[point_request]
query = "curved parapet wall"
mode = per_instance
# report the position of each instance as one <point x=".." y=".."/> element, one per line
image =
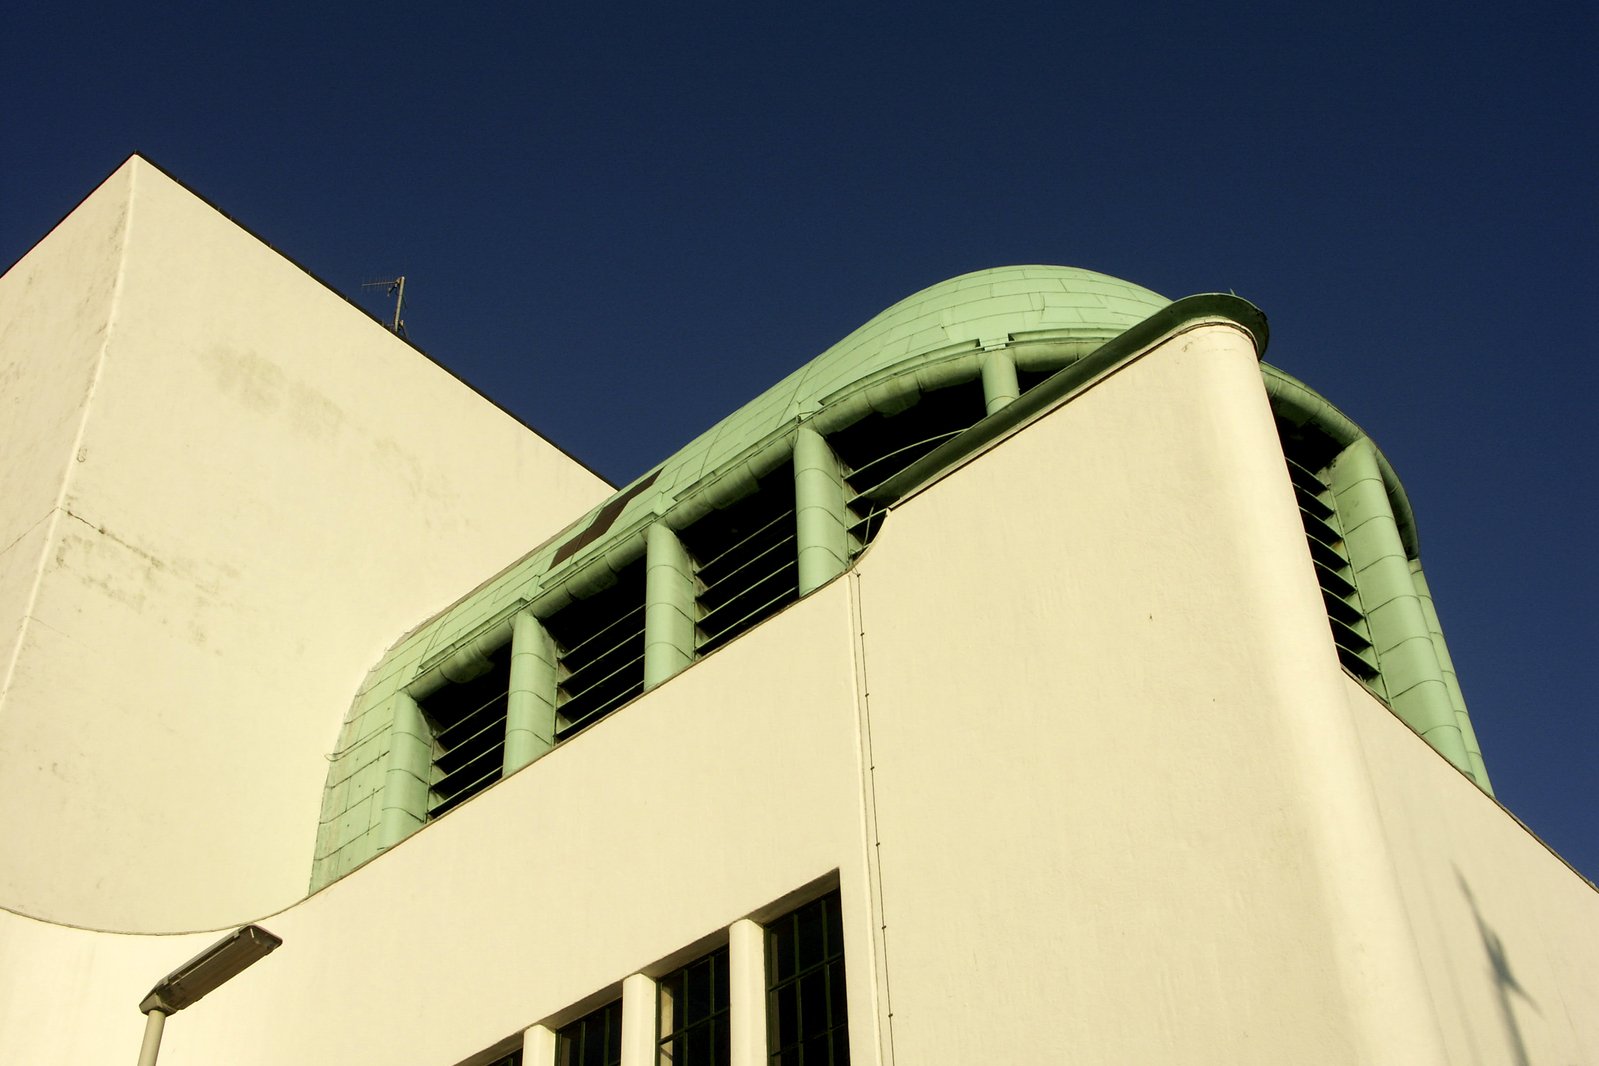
<point x="819" y="458"/>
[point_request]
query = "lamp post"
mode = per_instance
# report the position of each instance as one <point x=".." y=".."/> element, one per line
<point x="189" y="982"/>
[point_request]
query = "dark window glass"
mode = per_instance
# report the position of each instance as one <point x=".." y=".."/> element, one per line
<point x="693" y="1019"/>
<point x="807" y="1020"/>
<point x="600" y="645"/>
<point x="1309" y="453"/>
<point x="877" y="447"/>
<point x="468" y="723"/>
<point x="593" y="1040"/>
<point x="745" y="560"/>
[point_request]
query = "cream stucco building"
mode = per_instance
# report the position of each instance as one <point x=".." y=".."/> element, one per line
<point x="1035" y="676"/>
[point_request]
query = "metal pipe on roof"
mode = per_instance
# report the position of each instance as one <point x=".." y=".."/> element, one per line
<point x="1406" y="654"/>
<point x="669" y="605"/>
<point x="405" y="779"/>
<point x="470" y="657"/>
<point x="1457" y="698"/>
<point x="1000" y="386"/>
<point x="530" y="702"/>
<point x="821" y="519"/>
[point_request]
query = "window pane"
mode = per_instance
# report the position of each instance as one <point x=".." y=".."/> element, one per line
<point x="593" y="1040"/>
<point x="807" y="1004"/>
<point x="698" y="981"/>
<point x="693" y="1016"/>
<point x="781" y="945"/>
<point x="813" y="1003"/>
<point x="835" y="927"/>
<point x="812" y="942"/>
<point x="613" y="1034"/>
<point x="785" y="1004"/>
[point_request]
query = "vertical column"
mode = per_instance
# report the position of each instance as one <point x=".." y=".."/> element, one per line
<point x="1000" y="386"/>
<point x="746" y="967"/>
<point x="821" y="519"/>
<point x="1446" y="662"/>
<point x="669" y="607"/>
<point x="538" y="1046"/>
<point x="530" y="704"/>
<point x="405" y="781"/>
<point x="1405" y="652"/>
<point x="638" y="1021"/>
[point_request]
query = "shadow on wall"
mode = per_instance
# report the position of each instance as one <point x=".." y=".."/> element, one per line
<point x="1505" y="983"/>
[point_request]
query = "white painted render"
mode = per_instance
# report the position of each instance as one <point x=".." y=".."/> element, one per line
<point x="1071" y="740"/>
<point x="1508" y="934"/>
<point x="709" y="800"/>
<point x="233" y="491"/>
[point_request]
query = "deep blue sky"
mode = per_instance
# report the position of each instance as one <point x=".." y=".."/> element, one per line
<point x="622" y="222"/>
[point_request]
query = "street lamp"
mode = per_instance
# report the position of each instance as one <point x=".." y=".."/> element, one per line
<point x="189" y="982"/>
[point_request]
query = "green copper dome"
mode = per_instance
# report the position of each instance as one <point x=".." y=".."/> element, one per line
<point x="930" y="339"/>
<point x="935" y="335"/>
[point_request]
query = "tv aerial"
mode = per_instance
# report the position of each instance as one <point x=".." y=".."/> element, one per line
<point x="396" y="288"/>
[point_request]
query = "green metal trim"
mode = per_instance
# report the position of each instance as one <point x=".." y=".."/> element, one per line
<point x="405" y="781"/>
<point x="1457" y="699"/>
<point x="530" y="702"/>
<point x="821" y="519"/>
<point x="1070" y="380"/>
<point x="1000" y="387"/>
<point x="669" y="606"/>
<point x="468" y="656"/>
<point x="1406" y="653"/>
<point x="1300" y="404"/>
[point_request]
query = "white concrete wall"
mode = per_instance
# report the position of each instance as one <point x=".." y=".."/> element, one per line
<point x="1123" y="814"/>
<point x="268" y="489"/>
<point x="730" y="786"/>
<point x="54" y="306"/>
<point x="1508" y="934"/>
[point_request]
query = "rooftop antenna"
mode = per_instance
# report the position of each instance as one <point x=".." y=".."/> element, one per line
<point x="396" y="288"/>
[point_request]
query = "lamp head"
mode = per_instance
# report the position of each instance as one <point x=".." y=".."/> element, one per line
<point x="216" y="964"/>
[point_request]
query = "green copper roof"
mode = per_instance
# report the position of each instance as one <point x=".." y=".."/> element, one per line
<point x="966" y="312"/>
<point x="930" y="338"/>
<point x="1064" y="328"/>
<point x="1045" y="317"/>
<point x="938" y="325"/>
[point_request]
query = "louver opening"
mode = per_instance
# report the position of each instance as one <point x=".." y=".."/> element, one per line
<point x="468" y="723"/>
<point x="1308" y="453"/>
<point x="879" y="446"/>
<point x="600" y="647"/>
<point x="745" y="561"/>
<point x="1027" y="380"/>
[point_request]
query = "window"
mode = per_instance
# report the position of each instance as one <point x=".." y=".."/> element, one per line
<point x="745" y="561"/>
<point x="807" y="1021"/>
<point x="600" y="644"/>
<point x="593" y="1040"/>
<point x="877" y="447"/>
<point x="468" y="724"/>
<point x="693" y="1022"/>
<point x="1309" y="452"/>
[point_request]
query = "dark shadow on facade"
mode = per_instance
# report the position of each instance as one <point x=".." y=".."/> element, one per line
<point x="1505" y="982"/>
